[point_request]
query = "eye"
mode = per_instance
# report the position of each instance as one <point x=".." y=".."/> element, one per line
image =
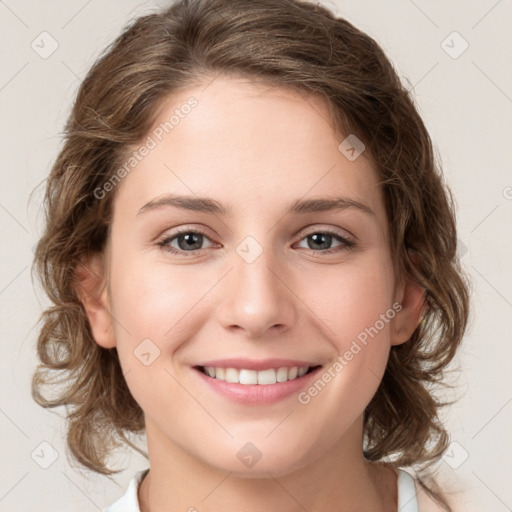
<point x="188" y="240"/>
<point x="323" y="239"/>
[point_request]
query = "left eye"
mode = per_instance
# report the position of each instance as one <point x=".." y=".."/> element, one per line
<point x="190" y="241"/>
<point x="326" y="238"/>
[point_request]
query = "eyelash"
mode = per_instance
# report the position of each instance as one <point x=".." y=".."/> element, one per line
<point x="347" y="244"/>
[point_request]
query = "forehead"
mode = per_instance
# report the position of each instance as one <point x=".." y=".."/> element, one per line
<point x="247" y="144"/>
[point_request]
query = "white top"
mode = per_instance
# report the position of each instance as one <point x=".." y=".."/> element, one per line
<point x="128" y="502"/>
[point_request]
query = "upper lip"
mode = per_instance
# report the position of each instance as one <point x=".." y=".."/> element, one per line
<point x="256" y="364"/>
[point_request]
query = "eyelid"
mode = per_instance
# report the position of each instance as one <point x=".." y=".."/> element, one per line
<point x="305" y="231"/>
<point x="180" y="230"/>
<point x="349" y="241"/>
<point x="185" y="228"/>
<point x="316" y="228"/>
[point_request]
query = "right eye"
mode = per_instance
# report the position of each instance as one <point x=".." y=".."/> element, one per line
<point x="187" y="239"/>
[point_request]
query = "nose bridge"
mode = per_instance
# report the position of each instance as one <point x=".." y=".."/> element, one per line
<point x="255" y="298"/>
<point x="253" y="269"/>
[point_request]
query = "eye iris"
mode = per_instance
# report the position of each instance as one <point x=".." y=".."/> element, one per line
<point x="190" y="237"/>
<point x="317" y="236"/>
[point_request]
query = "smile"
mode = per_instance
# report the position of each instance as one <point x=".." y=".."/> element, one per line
<point x="251" y="377"/>
<point x="252" y="387"/>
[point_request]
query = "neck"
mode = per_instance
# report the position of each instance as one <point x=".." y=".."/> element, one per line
<point x="339" y="479"/>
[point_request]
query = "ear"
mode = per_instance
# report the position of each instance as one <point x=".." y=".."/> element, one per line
<point x="411" y="296"/>
<point x="90" y="285"/>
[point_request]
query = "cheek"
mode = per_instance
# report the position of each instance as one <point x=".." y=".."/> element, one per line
<point x="153" y="300"/>
<point x="150" y="306"/>
<point x="358" y="312"/>
<point x="354" y="297"/>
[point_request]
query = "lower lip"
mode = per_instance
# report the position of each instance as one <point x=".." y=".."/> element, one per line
<point x="257" y="394"/>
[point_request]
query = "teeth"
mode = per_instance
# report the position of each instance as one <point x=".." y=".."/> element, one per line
<point x="263" y="377"/>
<point x="248" y="376"/>
<point x="282" y="374"/>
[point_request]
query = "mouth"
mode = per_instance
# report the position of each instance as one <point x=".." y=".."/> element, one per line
<point x="251" y="387"/>
<point x="250" y="377"/>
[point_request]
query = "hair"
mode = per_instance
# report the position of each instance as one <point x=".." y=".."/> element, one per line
<point x="293" y="44"/>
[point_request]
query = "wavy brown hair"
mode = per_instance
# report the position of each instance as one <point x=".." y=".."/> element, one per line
<point x="294" y="44"/>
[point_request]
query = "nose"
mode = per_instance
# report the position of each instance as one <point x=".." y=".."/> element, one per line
<point x="256" y="299"/>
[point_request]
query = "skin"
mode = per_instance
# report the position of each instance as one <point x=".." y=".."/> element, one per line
<point x="255" y="149"/>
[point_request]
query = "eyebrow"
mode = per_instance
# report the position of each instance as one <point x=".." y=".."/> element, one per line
<point x="208" y="205"/>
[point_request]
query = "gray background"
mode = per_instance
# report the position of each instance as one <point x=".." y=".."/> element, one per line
<point x="466" y="101"/>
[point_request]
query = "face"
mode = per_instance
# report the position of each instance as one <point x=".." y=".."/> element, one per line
<point x="245" y="281"/>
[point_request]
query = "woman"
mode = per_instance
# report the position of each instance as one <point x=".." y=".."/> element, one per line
<point x="252" y="256"/>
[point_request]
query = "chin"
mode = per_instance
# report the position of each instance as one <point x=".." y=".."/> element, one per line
<point x="253" y="462"/>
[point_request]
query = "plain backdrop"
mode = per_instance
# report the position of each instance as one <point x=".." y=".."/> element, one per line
<point x="456" y="56"/>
